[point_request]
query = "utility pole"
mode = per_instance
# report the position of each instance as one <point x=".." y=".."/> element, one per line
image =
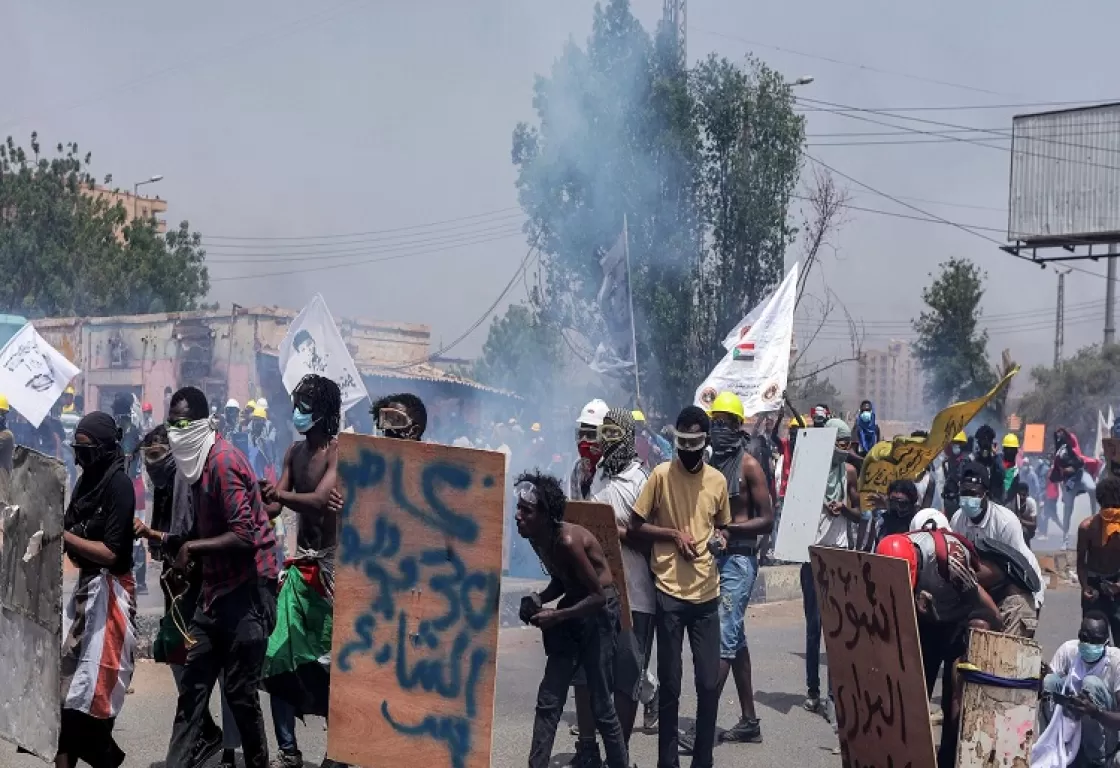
<point x="1060" y="319"/>
<point x="675" y="15"/>
<point x="1110" y="297"/>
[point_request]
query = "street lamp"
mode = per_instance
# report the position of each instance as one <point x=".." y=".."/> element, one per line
<point x="136" y="189"/>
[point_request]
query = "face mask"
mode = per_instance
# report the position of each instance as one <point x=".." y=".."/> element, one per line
<point x="865" y="417"/>
<point x="898" y="509"/>
<point x="86" y="456"/>
<point x="190" y="445"/>
<point x="589" y="451"/>
<point x="956" y="450"/>
<point x="725" y="437"/>
<point x="691" y="459"/>
<point x="1090" y="653"/>
<point x="972" y="506"/>
<point x="161" y="471"/>
<point x="302" y="421"/>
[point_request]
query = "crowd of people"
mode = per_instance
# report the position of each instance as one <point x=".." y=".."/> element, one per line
<point x="695" y="516"/>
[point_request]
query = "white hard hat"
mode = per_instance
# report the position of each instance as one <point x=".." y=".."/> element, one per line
<point x="262" y="403"/>
<point x="231" y="403"/>
<point x="922" y="520"/>
<point x="593" y="413"/>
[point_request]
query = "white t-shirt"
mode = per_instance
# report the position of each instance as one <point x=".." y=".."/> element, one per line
<point x="1000" y="524"/>
<point x="621" y="491"/>
<point x="1107" y="669"/>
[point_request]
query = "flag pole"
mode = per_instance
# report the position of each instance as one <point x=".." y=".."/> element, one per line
<point x="630" y="295"/>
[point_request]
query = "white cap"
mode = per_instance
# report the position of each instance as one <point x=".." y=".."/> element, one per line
<point x="593" y="413"/>
<point x="921" y="520"/>
<point x="262" y="403"/>
<point x="231" y="403"/>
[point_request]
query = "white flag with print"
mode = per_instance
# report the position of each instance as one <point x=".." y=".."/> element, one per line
<point x="756" y="366"/>
<point x="314" y="345"/>
<point x="33" y="374"/>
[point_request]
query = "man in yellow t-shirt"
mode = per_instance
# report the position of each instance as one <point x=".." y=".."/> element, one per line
<point x="683" y="510"/>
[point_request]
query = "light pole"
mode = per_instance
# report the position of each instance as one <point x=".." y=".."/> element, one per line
<point x="136" y="190"/>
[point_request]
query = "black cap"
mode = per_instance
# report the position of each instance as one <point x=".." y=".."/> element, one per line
<point x="976" y="472"/>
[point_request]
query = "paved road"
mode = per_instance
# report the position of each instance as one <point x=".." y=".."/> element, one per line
<point x="791" y="735"/>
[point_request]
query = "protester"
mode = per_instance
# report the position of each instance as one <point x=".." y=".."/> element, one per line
<point x="867" y="430"/>
<point x="955" y="457"/>
<point x="835" y="528"/>
<point x="582" y="631"/>
<point x="294" y="674"/>
<point x="237" y="610"/>
<point x="1010" y="463"/>
<point x="262" y="446"/>
<point x="752" y="515"/>
<point x="99" y="619"/>
<point x="1080" y="708"/>
<point x="949" y="602"/>
<point x="402" y="416"/>
<point x="231" y="418"/>
<point x="683" y="509"/>
<point x="926" y="482"/>
<point x="820" y="414"/>
<point x="929" y="520"/>
<point x="587" y="445"/>
<point x="1071" y="471"/>
<point x="1025" y="508"/>
<point x="986" y="455"/>
<point x="902" y="505"/>
<point x="172" y="523"/>
<point x="1009" y="570"/>
<point x="651" y="448"/>
<point x="147" y="419"/>
<point x="1098" y="556"/>
<point x="7" y="444"/>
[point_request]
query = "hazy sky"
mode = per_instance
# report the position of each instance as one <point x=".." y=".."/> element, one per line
<point x="284" y="119"/>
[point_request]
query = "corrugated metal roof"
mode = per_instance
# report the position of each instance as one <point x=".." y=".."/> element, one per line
<point x="428" y="372"/>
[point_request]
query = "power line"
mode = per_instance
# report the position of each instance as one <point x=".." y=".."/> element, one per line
<point x="370" y="233"/>
<point x="973" y="107"/>
<point x="896" y="215"/>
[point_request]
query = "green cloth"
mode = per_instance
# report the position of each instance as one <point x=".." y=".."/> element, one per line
<point x="304" y="620"/>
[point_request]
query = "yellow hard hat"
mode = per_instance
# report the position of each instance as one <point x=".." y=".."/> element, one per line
<point x="728" y="402"/>
<point x="794" y="423"/>
<point x="961" y="437"/>
<point x="4" y="403"/>
<point x="637" y="416"/>
<point x="536" y="426"/>
<point x="260" y="413"/>
<point x="251" y="405"/>
<point x="67" y="391"/>
<point x="1010" y="440"/>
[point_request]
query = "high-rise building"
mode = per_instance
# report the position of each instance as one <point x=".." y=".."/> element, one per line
<point x="892" y="381"/>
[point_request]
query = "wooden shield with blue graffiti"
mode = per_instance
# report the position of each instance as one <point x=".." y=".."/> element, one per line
<point x="416" y="604"/>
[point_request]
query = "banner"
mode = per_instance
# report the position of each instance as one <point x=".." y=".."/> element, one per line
<point x="756" y="368"/>
<point x="417" y="580"/>
<point x="1034" y="438"/>
<point x="904" y="458"/>
<point x="615" y="355"/>
<point x="33" y="374"/>
<point x="314" y="345"/>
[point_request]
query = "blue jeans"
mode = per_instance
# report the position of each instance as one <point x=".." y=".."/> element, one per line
<point x="737" y="574"/>
<point x="284" y="723"/>
<point x="1097" y="743"/>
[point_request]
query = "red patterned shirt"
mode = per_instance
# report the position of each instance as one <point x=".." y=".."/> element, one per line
<point x="227" y="500"/>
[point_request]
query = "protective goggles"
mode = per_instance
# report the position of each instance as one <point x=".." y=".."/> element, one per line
<point x="155" y="453"/>
<point x="525" y="493"/>
<point x="690" y="441"/>
<point x="611" y="433"/>
<point x="587" y="433"/>
<point x="843" y="445"/>
<point x="179" y="423"/>
<point x="391" y="418"/>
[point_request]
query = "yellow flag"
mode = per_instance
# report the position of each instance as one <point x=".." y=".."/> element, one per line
<point x="904" y="458"/>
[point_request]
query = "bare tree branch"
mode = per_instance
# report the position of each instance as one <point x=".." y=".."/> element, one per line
<point x="826" y="215"/>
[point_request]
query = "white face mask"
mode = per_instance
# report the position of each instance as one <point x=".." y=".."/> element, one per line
<point x="191" y="446"/>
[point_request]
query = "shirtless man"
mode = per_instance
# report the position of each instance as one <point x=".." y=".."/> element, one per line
<point x="583" y="628"/>
<point x="308" y="487"/>
<point x="1098" y="556"/>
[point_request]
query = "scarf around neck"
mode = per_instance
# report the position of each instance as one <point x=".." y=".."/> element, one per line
<point x="1110" y="523"/>
<point x="727" y="456"/>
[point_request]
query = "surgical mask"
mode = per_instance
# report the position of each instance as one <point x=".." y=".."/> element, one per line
<point x="302" y="421"/>
<point x="865" y="417"/>
<point x="1090" y="653"/>
<point x="971" y="505"/>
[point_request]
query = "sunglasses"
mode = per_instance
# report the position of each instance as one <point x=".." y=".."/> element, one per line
<point x="690" y="441"/>
<point x="391" y="418"/>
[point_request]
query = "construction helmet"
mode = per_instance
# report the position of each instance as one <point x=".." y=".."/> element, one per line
<point x="899" y="545"/>
<point x="637" y="416"/>
<point x="251" y="404"/>
<point x="68" y="391"/>
<point x="4" y="403"/>
<point x="794" y="423"/>
<point x="1010" y="440"/>
<point x="961" y="437"/>
<point x="728" y="402"/>
<point x="146" y="408"/>
<point x="231" y="403"/>
<point x="262" y="403"/>
<point x="260" y="413"/>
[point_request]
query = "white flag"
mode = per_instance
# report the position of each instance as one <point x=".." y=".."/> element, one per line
<point x="314" y="345"/>
<point x="756" y="368"/>
<point x="33" y="374"/>
<point x="1104" y="429"/>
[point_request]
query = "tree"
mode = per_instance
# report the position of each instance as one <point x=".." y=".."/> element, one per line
<point x="521" y="354"/>
<point x="702" y="166"/>
<point x="950" y="346"/>
<point x="814" y="388"/>
<point x="67" y="251"/>
<point x="1071" y="395"/>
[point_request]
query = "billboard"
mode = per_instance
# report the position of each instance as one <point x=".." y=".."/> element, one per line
<point x="1065" y="177"/>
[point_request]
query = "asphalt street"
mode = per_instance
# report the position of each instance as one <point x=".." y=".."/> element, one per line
<point x="791" y="736"/>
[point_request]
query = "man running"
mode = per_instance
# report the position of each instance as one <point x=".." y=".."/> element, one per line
<point x="1098" y="556"/>
<point x="752" y="515"/>
<point x="582" y="631"/>
<point x="295" y="673"/>
<point x="683" y="510"/>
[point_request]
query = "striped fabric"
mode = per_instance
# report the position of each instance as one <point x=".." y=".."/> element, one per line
<point x="98" y="643"/>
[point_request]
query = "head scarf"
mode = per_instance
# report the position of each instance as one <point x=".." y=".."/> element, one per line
<point x="836" y="486"/>
<point x="618" y="455"/>
<point x="727" y="456"/>
<point x="86" y="501"/>
<point x="865" y="430"/>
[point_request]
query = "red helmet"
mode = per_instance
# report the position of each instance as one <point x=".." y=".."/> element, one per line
<point x="147" y="408"/>
<point x="899" y="545"/>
